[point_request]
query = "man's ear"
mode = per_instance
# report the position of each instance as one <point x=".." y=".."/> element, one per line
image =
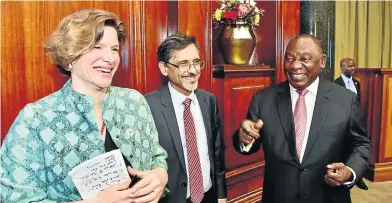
<point x="323" y="61"/>
<point x="163" y="68"/>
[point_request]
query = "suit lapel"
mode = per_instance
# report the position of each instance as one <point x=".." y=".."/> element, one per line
<point x="356" y="84"/>
<point x="283" y="103"/>
<point x="205" y="111"/>
<point x="171" y="121"/>
<point x="340" y="82"/>
<point x="320" y="112"/>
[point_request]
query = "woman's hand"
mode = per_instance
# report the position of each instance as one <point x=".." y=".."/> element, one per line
<point x="118" y="193"/>
<point x="150" y="187"/>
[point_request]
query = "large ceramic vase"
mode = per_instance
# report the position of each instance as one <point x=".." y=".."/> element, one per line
<point x="237" y="44"/>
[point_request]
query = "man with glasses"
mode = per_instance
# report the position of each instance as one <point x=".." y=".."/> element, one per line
<point x="188" y="126"/>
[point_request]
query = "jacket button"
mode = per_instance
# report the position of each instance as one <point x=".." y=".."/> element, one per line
<point x="117" y="136"/>
<point x="302" y="170"/>
<point x="131" y="156"/>
<point x="298" y="195"/>
<point x="183" y="184"/>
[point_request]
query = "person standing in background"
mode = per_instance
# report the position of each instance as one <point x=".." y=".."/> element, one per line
<point x="347" y="65"/>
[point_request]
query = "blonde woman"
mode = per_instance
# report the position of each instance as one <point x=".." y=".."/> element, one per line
<point x="85" y="118"/>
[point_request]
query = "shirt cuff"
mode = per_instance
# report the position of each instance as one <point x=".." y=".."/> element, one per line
<point x="246" y="148"/>
<point x="350" y="183"/>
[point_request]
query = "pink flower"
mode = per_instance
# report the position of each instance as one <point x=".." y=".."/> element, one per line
<point x="243" y="10"/>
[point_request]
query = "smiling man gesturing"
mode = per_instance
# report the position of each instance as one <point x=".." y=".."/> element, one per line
<point x="312" y="154"/>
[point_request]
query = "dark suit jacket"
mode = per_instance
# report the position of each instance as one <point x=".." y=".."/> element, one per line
<point x="340" y="82"/>
<point x="169" y="137"/>
<point x="332" y="134"/>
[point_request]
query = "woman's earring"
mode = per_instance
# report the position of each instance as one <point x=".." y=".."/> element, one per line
<point x="70" y="67"/>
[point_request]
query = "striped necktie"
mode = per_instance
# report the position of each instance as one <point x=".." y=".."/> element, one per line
<point x="300" y="121"/>
<point x="194" y="167"/>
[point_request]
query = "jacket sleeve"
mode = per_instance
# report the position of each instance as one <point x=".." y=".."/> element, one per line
<point x="359" y="143"/>
<point x="219" y="152"/>
<point x="22" y="162"/>
<point x="160" y="155"/>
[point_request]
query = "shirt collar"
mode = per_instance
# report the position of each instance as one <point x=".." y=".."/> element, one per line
<point x="345" y="78"/>
<point x="83" y="102"/>
<point x="312" y="88"/>
<point x="178" y="98"/>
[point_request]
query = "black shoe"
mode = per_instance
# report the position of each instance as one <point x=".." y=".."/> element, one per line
<point x="362" y="185"/>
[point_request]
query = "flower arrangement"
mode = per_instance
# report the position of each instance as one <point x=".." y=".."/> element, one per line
<point x="238" y="12"/>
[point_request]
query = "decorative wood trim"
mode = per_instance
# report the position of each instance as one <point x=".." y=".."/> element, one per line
<point x="244" y="169"/>
<point x="386" y="71"/>
<point x="375" y="117"/>
<point x="222" y="71"/>
<point x="136" y="44"/>
<point x="248" y="87"/>
<point x="250" y="197"/>
<point x="244" y="173"/>
<point x="279" y="42"/>
<point x="379" y="173"/>
<point x="367" y="70"/>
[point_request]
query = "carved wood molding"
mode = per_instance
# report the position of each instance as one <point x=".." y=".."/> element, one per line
<point x="247" y="168"/>
<point x="367" y="70"/>
<point x="380" y="172"/>
<point x="250" y="197"/>
<point x="386" y="71"/>
<point x="223" y="71"/>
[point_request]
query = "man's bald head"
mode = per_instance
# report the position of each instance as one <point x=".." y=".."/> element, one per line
<point x="345" y="61"/>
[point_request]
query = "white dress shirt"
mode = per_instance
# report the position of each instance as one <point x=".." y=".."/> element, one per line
<point x="349" y="83"/>
<point x="310" y="100"/>
<point x="201" y="135"/>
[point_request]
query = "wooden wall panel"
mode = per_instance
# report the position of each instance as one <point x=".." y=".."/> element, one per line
<point x="156" y="31"/>
<point x="386" y="118"/>
<point x="376" y="101"/>
<point x="136" y="47"/>
<point x="371" y="94"/>
<point x="236" y="86"/>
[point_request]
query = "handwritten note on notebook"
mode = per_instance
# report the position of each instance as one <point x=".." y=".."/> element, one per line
<point x="95" y="175"/>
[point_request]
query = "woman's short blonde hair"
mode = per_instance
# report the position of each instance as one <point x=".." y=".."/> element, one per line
<point x="78" y="33"/>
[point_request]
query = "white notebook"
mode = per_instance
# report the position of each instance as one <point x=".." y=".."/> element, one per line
<point x="95" y="175"/>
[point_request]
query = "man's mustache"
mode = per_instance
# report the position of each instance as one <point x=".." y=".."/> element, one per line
<point x="190" y="75"/>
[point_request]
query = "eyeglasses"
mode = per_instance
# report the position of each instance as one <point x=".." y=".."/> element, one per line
<point x="198" y="65"/>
